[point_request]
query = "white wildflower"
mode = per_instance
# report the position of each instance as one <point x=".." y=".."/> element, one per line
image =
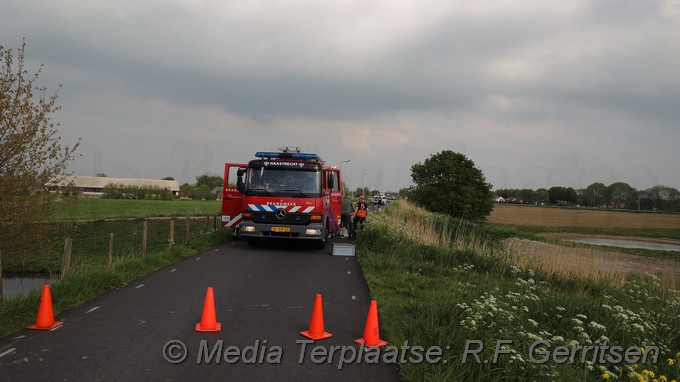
<point x="639" y="327"/>
<point x="596" y="326"/>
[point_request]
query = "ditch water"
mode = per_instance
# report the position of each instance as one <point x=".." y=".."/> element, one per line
<point x="627" y="244"/>
<point x="12" y="286"/>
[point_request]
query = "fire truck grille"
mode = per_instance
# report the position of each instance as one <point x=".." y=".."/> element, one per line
<point x="291" y="218"/>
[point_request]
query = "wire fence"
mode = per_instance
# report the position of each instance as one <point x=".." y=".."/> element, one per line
<point x="99" y="242"/>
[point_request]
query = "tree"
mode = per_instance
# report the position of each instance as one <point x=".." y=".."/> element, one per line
<point x="202" y="192"/>
<point x="101" y="175"/>
<point x="403" y="192"/>
<point x="209" y="180"/>
<point x="621" y="195"/>
<point x="168" y="178"/>
<point x="31" y="154"/>
<point x="186" y="190"/>
<point x="661" y="198"/>
<point x="595" y="195"/>
<point x="448" y="182"/>
<point x="562" y="195"/>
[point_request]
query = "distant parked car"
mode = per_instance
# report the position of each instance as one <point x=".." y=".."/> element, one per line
<point x="378" y="199"/>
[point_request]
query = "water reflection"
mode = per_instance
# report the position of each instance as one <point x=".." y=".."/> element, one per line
<point x="12" y="286"/>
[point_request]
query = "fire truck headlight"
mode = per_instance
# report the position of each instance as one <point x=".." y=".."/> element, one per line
<point x="248" y="228"/>
<point x="314" y="232"/>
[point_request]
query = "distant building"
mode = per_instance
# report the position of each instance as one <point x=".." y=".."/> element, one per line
<point x="94" y="185"/>
<point x="217" y="191"/>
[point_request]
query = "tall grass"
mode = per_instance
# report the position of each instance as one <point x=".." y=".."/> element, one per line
<point x="442" y="282"/>
<point x="591" y="264"/>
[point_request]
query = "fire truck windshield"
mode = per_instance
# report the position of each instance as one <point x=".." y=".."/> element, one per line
<point x="284" y="181"/>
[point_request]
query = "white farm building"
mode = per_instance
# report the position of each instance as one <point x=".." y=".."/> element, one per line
<point x="94" y="185"/>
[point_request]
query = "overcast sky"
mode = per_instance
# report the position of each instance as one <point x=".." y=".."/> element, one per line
<point x="537" y="93"/>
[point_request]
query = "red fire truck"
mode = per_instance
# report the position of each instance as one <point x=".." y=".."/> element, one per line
<point x="287" y="194"/>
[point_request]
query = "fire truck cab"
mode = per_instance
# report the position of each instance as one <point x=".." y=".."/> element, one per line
<point x="286" y="194"/>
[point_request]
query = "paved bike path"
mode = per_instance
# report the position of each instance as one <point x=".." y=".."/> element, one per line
<point x="263" y="296"/>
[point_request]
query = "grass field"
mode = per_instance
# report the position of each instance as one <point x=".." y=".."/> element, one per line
<point x="564" y="217"/>
<point x="96" y="208"/>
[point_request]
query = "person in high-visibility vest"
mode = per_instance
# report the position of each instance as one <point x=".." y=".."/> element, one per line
<point x="360" y="213"/>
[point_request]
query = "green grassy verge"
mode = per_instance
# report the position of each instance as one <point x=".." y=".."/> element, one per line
<point x="92" y="278"/>
<point x="440" y="282"/>
<point x="96" y="208"/>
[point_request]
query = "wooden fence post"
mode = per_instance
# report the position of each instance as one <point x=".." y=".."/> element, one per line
<point x="145" y="230"/>
<point x="215" y="222"/>
<point x="187" y="237"/>
<point x="172" y="233"/>
<point x="207" y="220"/>
<point x="66" y="260"/>
<point x="110" y="249"/>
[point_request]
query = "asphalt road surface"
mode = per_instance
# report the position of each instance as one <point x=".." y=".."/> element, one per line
<point x="263" y="296"/>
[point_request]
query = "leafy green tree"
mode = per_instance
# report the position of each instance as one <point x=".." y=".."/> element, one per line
<point x="209" y="180"/>
<point x="186" y="190"/>
<point x="621" y="195"/>
<point x="203" y="192"/>
<point x="31" y="154"/>
<point x="660" y="198"/>
<point x="403" y="192"/>
<point x="448" y="182"/>
<point x="562" y="195"/>
<point x="595" y="195"/>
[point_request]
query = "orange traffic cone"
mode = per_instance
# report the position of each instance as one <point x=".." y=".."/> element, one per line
<point x="45" y="319"/>
<point x="371" y="331"/>
<point x="209" y="319"/>
<point x="316" y="329"/>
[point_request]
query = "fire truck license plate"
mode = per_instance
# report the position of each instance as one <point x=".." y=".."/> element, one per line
<point x="280" y="229"/>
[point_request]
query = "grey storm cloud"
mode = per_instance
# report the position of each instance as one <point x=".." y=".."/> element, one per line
<point x="511" y="82"/>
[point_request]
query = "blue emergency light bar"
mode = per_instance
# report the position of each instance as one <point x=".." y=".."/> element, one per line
<point x="272" y="154"/>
